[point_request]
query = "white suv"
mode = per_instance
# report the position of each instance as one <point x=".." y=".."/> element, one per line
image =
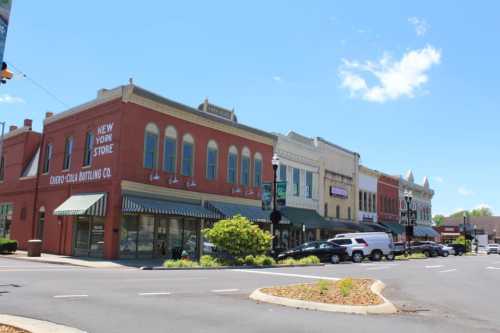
<point x="374" y="245"/>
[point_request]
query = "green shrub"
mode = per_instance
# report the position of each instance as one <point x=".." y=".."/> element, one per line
<point x="345" y="286"/>
<point x="208" y="261"/>
<point x="239" y="237"/>
<point x="265" y="261"/>
<point x="181" y="263"/>
<point x="250" y="260"/>
<point x="7" y="245"/>
<point x="323" y="286"/>
<point x="310" y="260"/>
<point x="288" y="261"/>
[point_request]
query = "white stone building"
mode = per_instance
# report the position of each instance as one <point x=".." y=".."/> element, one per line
<point x="367" y="195"/>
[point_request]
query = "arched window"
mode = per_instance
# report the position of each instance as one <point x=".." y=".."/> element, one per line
<point x="187" y="155"/>
<point x="232" y="165"/>
<point x="257" y="170"/>
<point x="212" y="160"/>
<point x="245" y="167"/>
<point x="170" y="150"/>
<point x="151" y="146"/>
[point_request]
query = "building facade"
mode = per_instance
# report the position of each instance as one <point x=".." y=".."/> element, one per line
<point x="132" y="174"/>
<point x="367" y="195"/>
<point x="388" y="204"/>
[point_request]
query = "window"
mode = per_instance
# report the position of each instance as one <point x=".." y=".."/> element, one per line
<point x="212" y="157"/>
<point x="349" y="213"/>
<point x="282" y="173"/>
<point x="232" y="165"/>
<point x="364" y="202"/>
<point x="47" y="158"/>
<point x="170" y="150"/>
<point x="374" y="202"/>
<point x="2" y="168"/>
<point x="187" y="155"/>
<point x="68" y="151"/>
<point x="326" y="209"/>
<point x="360" y="200"/>
<point x="257" y="170"/>
<point x="245" y="167"/>
<point x="151" y="146"/>
<point x="89" y="146"/>
<point x="296" y="181"/>
<point x="337" y="213"/>
<point x="5" y="219"/>
<point x="342" y="241"/>
<point x="309" y="184"/>
<point x="369" y="202"/>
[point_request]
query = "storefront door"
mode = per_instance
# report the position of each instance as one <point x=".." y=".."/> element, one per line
<point x="82" y="236"/>
<point x="161" y="245"/>
<point x="89" y="237"/>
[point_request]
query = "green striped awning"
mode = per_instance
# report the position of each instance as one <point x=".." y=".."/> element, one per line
<point x="137" y="204"/>
<point x="253" y="213"/>
<point x="91" y="204"/>
<point x="395" y="227"/>
<point x="424" y="231"/>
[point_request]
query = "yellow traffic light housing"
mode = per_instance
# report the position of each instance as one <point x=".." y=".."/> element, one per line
<point x="6" y="74"/>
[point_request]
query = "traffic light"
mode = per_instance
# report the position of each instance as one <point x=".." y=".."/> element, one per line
<point x="5" y="74"/>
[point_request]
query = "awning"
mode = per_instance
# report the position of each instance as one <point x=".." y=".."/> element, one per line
<point x="450" y="234"/>
<point x="394" y="227"/>
<point x="253" y="213"/>
<point x="373" y="227"/>
<point x="424" y="231"/>
<point x="136" y="204"/>
<point x="308" y="217"/>
<point x="91" y="204"/>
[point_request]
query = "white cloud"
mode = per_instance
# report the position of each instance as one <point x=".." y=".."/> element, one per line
<point x="277" y="78"/>
<point x="438" y="179"/>
<point x="482" y="205"/>
<point x="394" y="78"/>
<point x="9" y="99"/>
<point x="462" y="190"/>
<point x="421" y="25"/>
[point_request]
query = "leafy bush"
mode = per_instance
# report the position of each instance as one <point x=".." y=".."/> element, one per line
<point x="181" y="263"/>
<point x="310" y="260"/>
<point x="412" y="256"/>
<point x="288" y="261"/>
<point x="239" y="237"/>
<point x="250" y="260"/>
<point x="462" y="241"/>
<point x="345" y="286"/>
<point x="208" y="261"/>
<point x="264" y="261"/>
<point x="323" y="286"/>
<point x="8" y="245"/>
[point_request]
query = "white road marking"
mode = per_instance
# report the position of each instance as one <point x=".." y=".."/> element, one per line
<point x="434" y="266"/>
<point x="155" y="293"/>
<point x="448" y="270"/>
<point x="491" y="267"/>
<point x="378" y="268"/>
<point x="287" y="274"/>
<point x="70" y="296"/>
<point x="224" y="290"/>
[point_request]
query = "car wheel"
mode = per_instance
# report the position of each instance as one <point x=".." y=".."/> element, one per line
<point x="427" y="253"/>
<point x="390" y="257"/>
<point x="376" y="255"/>
<point x="445" y="254"/>
<point x="460" y="253"/>
<point x="335" y="259"/>
<point x="357" y="257"/>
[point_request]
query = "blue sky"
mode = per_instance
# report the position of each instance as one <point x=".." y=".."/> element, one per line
<point x="406" y="85"/>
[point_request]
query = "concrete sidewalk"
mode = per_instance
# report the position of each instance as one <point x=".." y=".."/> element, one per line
<point x="83" y="262"/>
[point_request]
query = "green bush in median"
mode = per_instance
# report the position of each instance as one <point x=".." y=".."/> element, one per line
<point x="181" y="263"/>
<point x="310" y="260"/>
<point x="8" y="245"/>
<point x="209" y="261"/>
<point x="239" y="238"/>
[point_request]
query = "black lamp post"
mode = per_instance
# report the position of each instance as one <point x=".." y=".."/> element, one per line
<point x="409" y="217"/>
<point x="475" y="239"/>
<point x="465" y="232"/>
<point x="275" y="216"/>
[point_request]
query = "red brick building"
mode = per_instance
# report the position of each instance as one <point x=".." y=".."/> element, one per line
<point x="132" y="174"/>
<point x="388" y="203"/>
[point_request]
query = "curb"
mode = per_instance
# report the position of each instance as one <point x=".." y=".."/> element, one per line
<point x="385" y="308"/>
<point x="161" y="268"/>
<point x="43" y="261"/>
<point x="36" y="326"/>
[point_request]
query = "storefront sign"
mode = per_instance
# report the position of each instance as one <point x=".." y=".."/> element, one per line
<point x="104" y="140"/>
<point x="81" y="177"/>
<point x="338" y="192"/>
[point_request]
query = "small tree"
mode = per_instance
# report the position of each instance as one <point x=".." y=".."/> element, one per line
<point x="239" y="237"/>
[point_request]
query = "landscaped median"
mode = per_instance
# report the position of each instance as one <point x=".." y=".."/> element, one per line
<point x="361" y="296"/>
<point x="17" y="324"/>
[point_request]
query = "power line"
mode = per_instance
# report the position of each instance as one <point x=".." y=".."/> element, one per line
<point x="40" y="86"/>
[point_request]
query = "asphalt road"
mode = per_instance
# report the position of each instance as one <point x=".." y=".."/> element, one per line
<point x="454" y="294"/>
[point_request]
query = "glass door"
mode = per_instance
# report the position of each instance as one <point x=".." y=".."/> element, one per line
<point x="97" y="237"/>
<point x="161" y="246"/>
<point x="82" y="236"/>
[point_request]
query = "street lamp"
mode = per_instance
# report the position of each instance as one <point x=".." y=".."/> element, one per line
<point x="465" y="233"/>
<point x="275" y="216"/>
<point x="408" y="195"/>
<point x="475" y="238"/>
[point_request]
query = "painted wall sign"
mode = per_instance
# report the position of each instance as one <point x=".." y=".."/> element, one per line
<point x="104" y="140"/>
<point x="81" y="176"/>
<point x="338" y="192"/>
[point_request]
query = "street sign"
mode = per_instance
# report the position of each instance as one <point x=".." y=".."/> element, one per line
<point x="5" y="6"/>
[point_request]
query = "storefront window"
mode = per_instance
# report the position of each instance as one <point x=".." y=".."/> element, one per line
<point x="145" y="236"/>
<point x="190" y="238"/>
<point x="97" y="237"/>
<point x="175" y="237"/>
<point x="5" y="220"/>
<point x="128" y="237"/>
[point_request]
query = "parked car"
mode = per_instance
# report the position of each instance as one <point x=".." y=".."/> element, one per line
<point x="446" y="250"/>
<point x="325" y="251"/>
<point x="399" y="248"/>
<point x="493" y="248"/>
<point x="459" y="249"/>
<point x="429" y="249"/>
<point x="373" y="245"/>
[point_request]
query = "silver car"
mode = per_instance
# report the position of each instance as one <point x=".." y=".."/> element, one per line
<point x="447" y="250"/>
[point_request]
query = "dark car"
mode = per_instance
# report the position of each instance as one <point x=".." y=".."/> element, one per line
<point x="399" y="248"/>
<point x="325" y="251"/>
<point x="459" y="249"/>
<point x="429" y="249"/>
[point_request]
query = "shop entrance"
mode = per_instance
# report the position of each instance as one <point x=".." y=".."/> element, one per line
<point x="89" y="237"/>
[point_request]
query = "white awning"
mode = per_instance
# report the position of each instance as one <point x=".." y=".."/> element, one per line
<point x="92" y="204"/>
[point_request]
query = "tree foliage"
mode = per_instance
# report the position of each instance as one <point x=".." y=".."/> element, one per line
<point x="482" y="211"/>
<point x="439" y="219"/>
<point x="239" y="237"/>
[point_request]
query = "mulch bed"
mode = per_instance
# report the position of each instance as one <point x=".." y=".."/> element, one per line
<point x="11" y="329"/>
<point x="329" y="292"/>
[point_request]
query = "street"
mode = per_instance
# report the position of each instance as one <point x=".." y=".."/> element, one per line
<point x="454" y="294"/>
